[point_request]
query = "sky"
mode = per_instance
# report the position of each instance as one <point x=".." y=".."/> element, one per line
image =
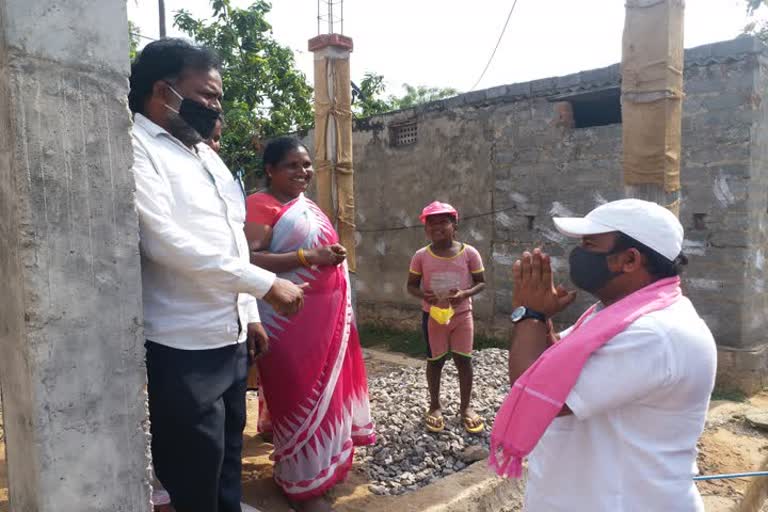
<point x="446" y="43"/>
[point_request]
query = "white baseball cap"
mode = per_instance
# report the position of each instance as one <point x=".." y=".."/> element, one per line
<point x="650" y="224"/>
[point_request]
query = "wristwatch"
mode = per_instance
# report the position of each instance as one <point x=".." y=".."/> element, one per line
<point x="523" y="313"/>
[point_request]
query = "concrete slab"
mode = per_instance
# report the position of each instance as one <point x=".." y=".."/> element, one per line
<point x="474" y="489"/>
<point x="758" y="419"/>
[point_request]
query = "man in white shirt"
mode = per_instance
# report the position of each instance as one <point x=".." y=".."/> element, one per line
<point x="200" y="316"/>
<point x="625" y="441"/>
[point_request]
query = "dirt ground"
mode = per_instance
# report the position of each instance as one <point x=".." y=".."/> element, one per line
<point x="729" y="445"/>
<point x="260" y="490"/>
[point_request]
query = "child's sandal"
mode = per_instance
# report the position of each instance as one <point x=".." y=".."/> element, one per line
<point x="434" y="424"/>
<point x="473" y="424"/>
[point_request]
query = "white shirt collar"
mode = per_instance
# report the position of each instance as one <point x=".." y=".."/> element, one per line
<point x="155" y="130"/>
<point x="148" y="126"/>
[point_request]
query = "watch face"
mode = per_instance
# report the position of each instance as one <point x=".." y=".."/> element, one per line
<point x="518" y="314"/>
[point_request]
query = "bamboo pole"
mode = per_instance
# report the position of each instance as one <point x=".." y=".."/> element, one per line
<point x="333" y="136"/>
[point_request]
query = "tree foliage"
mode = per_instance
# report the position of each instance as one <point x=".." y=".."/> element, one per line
<point x="753" y="5"/>
<point x="371" y="100"/>
<point x="265" y="95"/>
<point x="416" y="95"/>
<point x="756" y="27"/>
<point x="133" y="40"/>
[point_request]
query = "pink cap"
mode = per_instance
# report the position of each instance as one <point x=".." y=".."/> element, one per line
<point x="438" y="208"/>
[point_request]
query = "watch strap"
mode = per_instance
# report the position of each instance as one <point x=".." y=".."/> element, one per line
<point x="529" y="313"/>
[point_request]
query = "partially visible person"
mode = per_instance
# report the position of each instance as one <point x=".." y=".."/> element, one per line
<point x="214" y="141"/>
<point x="201" y="320"/>
<point x="264" y="425"/>
<point x="313" y="377"/>
<point x="612" y="408"/>
<point x="446" y="275"/>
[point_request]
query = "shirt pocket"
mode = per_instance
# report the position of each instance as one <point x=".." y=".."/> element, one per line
<point x="196" y="195"/>
<point x="233" y="196"/>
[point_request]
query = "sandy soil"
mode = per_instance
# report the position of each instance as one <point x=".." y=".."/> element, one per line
<point x="730" y="445"/>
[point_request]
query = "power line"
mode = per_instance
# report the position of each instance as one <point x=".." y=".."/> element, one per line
<point x="143" y="36"/>
<point x="493" y="54"/>
<point x="414" y="226"/>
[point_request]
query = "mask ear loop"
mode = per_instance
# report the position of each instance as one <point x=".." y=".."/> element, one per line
<point x="174" y="91"/>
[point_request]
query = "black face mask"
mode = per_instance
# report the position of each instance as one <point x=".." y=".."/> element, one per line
<point x="589" y="270"/>
<point x="197" y="115"/>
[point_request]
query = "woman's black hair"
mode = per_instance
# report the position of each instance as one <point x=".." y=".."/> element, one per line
<point x="277" y="149"/>
<point x="658" y="265"/>
<point x="165" y="59"/>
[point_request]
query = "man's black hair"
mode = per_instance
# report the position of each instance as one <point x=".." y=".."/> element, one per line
<point x="658" y="266"/>
<point x="166" y="59"/>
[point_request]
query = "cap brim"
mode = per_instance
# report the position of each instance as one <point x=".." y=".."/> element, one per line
<point x="576" y="227"/>
<point x="423" y="216"/>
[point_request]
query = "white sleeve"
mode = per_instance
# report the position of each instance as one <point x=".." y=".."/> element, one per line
<point x="252" y="310"/>
<point x="628" y="368"/>
<point x="164" y="241"/>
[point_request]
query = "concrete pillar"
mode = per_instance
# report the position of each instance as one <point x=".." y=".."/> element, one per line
<point x="71" y="348"/>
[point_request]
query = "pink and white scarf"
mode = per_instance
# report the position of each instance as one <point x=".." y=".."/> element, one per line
<point x="538" y="395"/>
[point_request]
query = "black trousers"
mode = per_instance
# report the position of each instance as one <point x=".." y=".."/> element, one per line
<point x="197" y="414"/>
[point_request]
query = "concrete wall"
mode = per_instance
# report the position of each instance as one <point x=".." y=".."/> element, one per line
<point x="506" y="151"/>
<point x="70" y="323"/>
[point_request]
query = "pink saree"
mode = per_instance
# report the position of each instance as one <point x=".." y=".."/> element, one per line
<point x="314" y="377"/>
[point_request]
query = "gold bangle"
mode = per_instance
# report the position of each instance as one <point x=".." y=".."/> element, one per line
<point x="302" y="257"/>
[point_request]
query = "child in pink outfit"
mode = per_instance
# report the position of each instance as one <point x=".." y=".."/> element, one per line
<point x="447" y="274"/>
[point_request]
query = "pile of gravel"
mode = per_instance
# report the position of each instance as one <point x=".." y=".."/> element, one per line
<point x="406" y="456"/>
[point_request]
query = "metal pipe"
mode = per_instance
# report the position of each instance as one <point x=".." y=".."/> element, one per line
<point x="161" y="7"/>
<point x="731" y="475"/>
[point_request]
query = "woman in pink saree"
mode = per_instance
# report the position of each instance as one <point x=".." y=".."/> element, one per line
<point x="313" y="376"/>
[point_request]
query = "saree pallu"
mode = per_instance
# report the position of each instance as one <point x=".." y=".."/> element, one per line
<point x="313" y="376"/>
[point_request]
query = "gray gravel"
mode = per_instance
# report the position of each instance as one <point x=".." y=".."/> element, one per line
<point x="406" y="456"/>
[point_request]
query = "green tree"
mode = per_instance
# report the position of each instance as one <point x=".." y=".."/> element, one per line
<point x="370" y="99"/>
<point x="264" y="93"/>
<point x="755" y="27"/>
<point x="416" y="95"/>
<point x="133" y="39"/>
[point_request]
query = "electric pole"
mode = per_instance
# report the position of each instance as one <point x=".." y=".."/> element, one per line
<point x="161" y="6"/>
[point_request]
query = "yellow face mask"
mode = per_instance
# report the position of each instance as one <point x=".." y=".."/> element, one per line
<point x="441" y="315"/>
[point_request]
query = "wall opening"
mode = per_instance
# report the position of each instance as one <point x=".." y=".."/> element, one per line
<point x="530" y="221"/>
<point x="595" y="108"/>
<point x="404" y="134"/>
<point x="700" y="221"/>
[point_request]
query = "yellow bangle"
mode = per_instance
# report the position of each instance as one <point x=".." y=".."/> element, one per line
<point x="302" y="257"/>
